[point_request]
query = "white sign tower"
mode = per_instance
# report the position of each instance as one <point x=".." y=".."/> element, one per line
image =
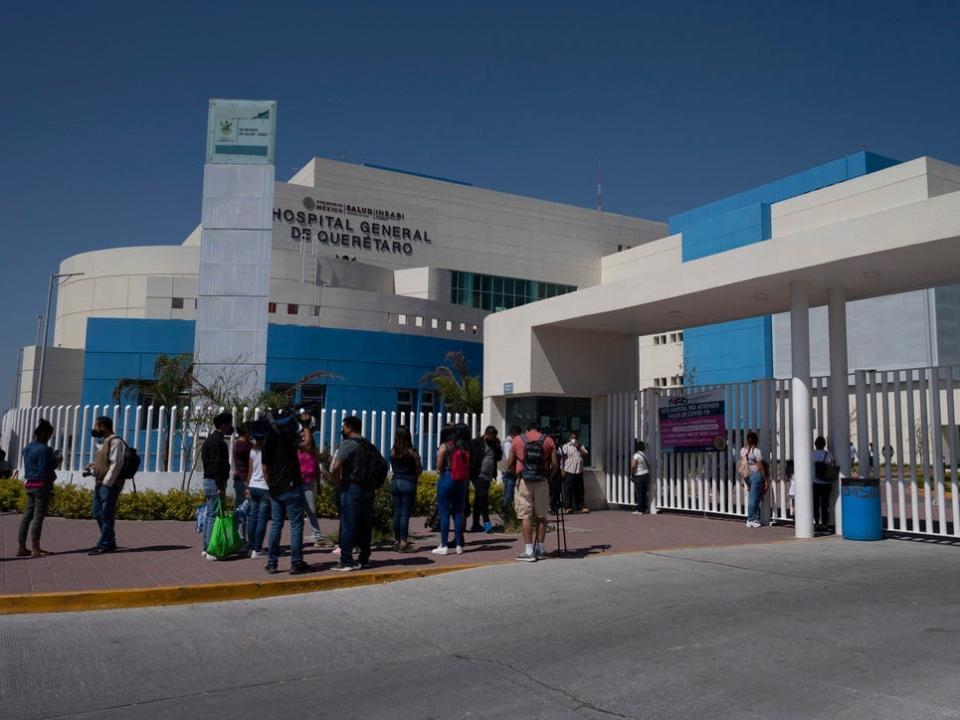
<point x="230" y="341"/>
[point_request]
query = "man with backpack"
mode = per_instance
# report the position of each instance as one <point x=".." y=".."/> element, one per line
<point x="533" y="458"/>
<point x="281" y="470"/>
<point x="358" y="471"/>
<point x="107" y="471"/>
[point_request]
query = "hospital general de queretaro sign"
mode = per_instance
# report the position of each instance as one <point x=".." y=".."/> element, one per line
<point x="693" y="423"/>
<point x="241" y="132"/>
<point x="348" y="227"/>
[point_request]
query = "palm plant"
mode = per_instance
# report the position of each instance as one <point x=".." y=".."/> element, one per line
<point x="461" y="392"/>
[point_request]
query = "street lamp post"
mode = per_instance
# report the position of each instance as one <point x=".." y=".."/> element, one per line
<point x="46" y="325"/>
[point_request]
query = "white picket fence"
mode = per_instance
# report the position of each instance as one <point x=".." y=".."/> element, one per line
<point x="909" y="417"/>
<point x="168" y="438"/>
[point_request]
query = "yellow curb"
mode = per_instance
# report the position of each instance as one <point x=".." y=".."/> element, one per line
<point x="121" y="598"/>
<point x="83" y="600"/>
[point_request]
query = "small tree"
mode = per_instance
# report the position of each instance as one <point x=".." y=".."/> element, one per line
<point x="461" y="392"/>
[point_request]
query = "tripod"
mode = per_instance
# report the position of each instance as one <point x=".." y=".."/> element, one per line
<point x="560" y="523"/>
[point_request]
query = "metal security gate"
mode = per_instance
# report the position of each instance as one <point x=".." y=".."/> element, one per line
<point x="908" y="421"/>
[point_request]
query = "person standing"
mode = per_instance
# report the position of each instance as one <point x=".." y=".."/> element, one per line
<point x="406" y="466"/>
<point x="241" y="464"/>
<point x="485" y="452"/>
<point x="40" y="472"/>
<point x="751" y="469"/>
<point x="640" y="473"/>
<point x="356" y="498"/>
<point x="6" y="468"/>
<point x="508" y="475"/>
<point x="533" y="456"/>
<point x="309" y="457"/>
<point x="823" y="473"/>
<point x="453" y="465"/>
<point x="281" y="468"/>
<point x="258" y="495"/>
<point x="573" y="456"/>
<point x="106" y="469"/>
<point x="215" y="456"/>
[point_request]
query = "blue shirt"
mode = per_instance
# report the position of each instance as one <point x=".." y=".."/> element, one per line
<point x="39" y="464"/>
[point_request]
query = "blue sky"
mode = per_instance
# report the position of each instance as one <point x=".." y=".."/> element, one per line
<point x="104" y="104"/>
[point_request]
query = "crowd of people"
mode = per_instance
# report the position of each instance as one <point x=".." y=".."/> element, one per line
<point x="276" y="474"/>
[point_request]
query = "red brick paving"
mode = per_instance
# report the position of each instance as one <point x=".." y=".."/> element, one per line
<point x="167" y="553"/>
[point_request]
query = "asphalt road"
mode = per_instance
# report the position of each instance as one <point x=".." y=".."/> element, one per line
<point x="823" y="629"/>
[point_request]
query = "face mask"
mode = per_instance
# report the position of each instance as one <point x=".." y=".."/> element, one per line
<point x="344" y="434"/>
<point x="96" y="433"/>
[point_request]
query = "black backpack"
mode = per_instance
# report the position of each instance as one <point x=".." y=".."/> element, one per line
<point x="131" y="463"/>
<point x="370" y="468"/>
<point x="534" y="458"/>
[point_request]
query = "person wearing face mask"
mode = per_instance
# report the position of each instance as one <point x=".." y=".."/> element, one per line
<point x="215" y="456"/>
<point x="106" y="469"/>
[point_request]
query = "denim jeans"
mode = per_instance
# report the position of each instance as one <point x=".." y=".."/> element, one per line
<point x="753" y="502"/>
<point x="310" y="508"/>
<point x="239" y="491"/>
<point x="509" y="487"/>
<point x="641" y="492"/>
<point x="404" y="497"/>
<point x="258" y="515"/>
<point x="356" y="523"/>
<point x="290" y="504"/>
<point x="573" y="491"/>
<point x="450" y="499"/>
<point x="104" y="512"/>
<point x="481" y="502"/>
<point x="38" y="501"/>
<point x="213" y="496"/>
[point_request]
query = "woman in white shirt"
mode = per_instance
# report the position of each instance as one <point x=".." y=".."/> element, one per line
<point x="258" y="514"/>
<point x="640" y="472"/>
<point x="755" y="478"/>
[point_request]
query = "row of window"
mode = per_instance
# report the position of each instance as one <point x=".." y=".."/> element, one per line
<point x="675" y="337"/>
<point x="436" y="323"/>
<point x="178" y="303"/>
<point x="675" y="381"/>
<point x="407" y="398"/>
<point x="494" y="292"/>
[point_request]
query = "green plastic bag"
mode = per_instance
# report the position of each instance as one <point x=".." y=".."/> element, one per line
<point x="224" y="538"/>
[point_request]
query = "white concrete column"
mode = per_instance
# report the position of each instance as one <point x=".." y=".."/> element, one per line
<point x="801" y="412"/>
<point x="839" y="441"/>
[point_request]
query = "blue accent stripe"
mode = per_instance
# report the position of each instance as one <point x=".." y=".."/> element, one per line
<point x="242" y="150"/>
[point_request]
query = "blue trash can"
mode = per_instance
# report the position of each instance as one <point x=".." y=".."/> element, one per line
<point x="860" y="504"/>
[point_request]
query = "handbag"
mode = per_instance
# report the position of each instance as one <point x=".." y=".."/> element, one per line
<point x="224" y="538"/>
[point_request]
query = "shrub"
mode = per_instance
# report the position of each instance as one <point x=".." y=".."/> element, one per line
<point x="11" y="492"/>
<point x="71" y="501"/>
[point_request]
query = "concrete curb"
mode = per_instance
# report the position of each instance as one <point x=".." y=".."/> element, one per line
<point x="82" y="600"/>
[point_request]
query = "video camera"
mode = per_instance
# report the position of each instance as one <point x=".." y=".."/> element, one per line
<point x="285" y="424"/>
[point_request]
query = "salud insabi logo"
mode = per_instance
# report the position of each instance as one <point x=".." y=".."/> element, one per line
<point x="226" y="127"/>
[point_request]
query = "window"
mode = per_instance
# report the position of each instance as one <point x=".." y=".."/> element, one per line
<point x="176" y="303"/>
<point x="271" y="307"/>
<point x="474" y="328"/>
<point x="418" y="321"/>
<point x="428" y="402"/>
<point x="292" y="309"/>
<point x="281" y="388"/>
<point x="406" y="403"/>
<point x="673" y="337"/>
<point x="656" y="382"/>
<point x="656" y="339"/>
<point x="313" y="395"/>
<point x="401" y="319"/>
<point x="449" y="325"/>
<point x="316" y="311"/>
<point x="663" y="382"/>
<point x="434" y="323"/>
<point x="680" y="336"/>
<point x="494" y="292"/>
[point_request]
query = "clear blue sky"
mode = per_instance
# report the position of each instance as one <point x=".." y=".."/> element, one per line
<point x="104" y="104"/>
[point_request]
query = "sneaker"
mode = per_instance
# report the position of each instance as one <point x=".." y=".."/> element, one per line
<point x="271" y="569"/>
<point x="442" y="550"/>
<point x="524" y="557"/>
<point x="336" y="550"/>
<point x="299" y="568"/>
<point x="585" y="510"/>
<point x="203" y="553"/>
<point x="540" y="552"/>
<point x="343" y="567"/>
<point x="488" y="527"/>
<point x="459" y="549"/>
<point x="254" y="554"/>
<point x="208" y="556"/>
<point x="636" y="512"/>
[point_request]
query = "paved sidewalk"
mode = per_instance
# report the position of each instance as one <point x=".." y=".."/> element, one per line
<point x="167" y="553"/>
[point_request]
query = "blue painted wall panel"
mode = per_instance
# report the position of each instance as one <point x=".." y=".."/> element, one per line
<point x="369" y="366"/>
<point x="743" y="350"/>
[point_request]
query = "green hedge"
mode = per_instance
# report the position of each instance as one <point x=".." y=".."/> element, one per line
<point x="71" y="501"/>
